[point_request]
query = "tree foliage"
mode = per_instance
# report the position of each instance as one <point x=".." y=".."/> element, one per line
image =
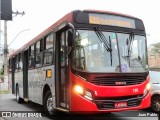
<point x="2" y="70"/>
<point x="156" y="49"/>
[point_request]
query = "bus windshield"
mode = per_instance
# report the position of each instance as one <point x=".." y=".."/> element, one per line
<point x="127" y="53"/>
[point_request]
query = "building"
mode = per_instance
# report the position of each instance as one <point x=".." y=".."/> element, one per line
<point x="153" y="57"/>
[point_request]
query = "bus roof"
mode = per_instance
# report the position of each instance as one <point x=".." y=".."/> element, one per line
<point x="67" y="18"/>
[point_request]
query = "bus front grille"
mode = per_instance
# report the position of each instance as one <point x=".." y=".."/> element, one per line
<point x="104" y="103"/>
<point x="118" y="80"/>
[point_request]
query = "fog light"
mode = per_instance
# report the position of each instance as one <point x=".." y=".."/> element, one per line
<point x="79" y="89"/>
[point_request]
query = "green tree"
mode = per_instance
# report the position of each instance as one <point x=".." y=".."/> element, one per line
<point x="156" y="49"/>
<point x="2" y="70"/>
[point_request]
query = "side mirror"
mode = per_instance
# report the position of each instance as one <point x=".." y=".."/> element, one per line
<point x="70" y="37"/>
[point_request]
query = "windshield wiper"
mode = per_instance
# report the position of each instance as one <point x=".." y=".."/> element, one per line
<point x="103" y="39"/>
<point x="130" y="42"/>
<point x="110" y="47"/>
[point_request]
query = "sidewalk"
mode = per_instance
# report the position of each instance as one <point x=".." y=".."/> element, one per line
<point x="4" y="103"/>
<point x="9" y="105"/>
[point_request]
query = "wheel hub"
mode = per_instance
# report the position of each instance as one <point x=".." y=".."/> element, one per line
<point x="50" y="104"/>
<point x="157" y="104"/>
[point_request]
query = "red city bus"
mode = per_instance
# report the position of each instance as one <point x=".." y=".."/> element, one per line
<point x="88" y="61"/>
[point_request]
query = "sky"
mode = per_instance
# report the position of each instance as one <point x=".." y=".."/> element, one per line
<point x="40" y="14"/>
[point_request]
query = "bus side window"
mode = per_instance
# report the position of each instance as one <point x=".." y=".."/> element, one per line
<point x="20" y="62"/>
<point x="48" y="56"/>
<point x="39" y="54"/>
<point x="39" y="60"/>
<point x="31" y="57"/>
<point x="49" y="41"/>
<point x="48" y="45"/>
<point x="16" y="63"/>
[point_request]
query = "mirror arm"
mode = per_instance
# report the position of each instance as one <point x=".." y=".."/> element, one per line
<point x="71" y="35"/>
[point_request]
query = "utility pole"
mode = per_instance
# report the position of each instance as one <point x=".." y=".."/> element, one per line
<point x="6" y="80"/>
<point x="5" y="53"/>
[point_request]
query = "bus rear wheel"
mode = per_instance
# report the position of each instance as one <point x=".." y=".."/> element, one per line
<point x="18" y="99"/>
<point x="48" y="104"/>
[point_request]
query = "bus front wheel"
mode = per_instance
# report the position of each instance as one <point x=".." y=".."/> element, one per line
<point x="48" y="104"/>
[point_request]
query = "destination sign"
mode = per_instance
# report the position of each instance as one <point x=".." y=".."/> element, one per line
<point x="111" y="20"/>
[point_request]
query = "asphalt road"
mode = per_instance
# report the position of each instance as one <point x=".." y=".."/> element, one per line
<point x="32" y="111"/>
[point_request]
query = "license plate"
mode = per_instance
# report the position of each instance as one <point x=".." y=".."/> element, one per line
<point x="120" y="104"/>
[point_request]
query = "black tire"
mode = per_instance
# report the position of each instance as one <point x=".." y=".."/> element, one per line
<point x="18" y="99"/>
<point x="155" y="103"/>
<point x="48" y="104"/>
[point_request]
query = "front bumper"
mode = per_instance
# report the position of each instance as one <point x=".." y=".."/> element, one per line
<point x="80" y="104"/>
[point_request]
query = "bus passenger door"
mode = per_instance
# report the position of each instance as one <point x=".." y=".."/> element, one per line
<point x="62" y="81"/>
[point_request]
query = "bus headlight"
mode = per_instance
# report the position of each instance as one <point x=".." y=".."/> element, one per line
<point x="147" y="89"/>
<point x="85" y="93"/>
<point x="79" y="89"/>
